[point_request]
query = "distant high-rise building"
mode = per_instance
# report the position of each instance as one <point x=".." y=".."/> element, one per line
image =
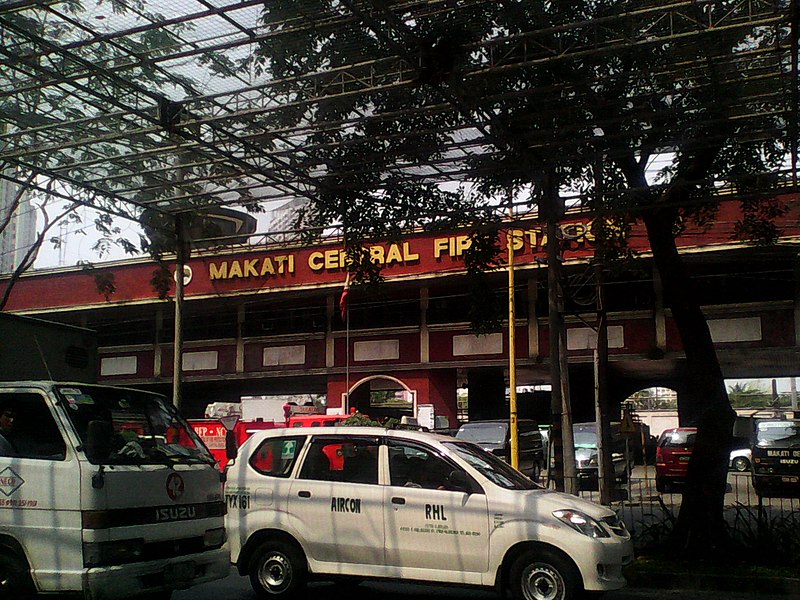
<point x="19" y="234"/>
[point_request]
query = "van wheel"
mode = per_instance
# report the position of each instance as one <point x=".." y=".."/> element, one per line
<point x="15" y="579"/>
<point x="277" y="570"/>
<point x="543" y="575"/>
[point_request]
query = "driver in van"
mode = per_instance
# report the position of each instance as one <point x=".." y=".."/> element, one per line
<point x="8" y="417"/>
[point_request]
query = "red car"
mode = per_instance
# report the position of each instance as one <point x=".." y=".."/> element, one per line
<point x="673" y="452"/>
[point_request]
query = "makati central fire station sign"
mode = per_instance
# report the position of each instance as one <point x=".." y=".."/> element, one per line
<point x="254" y="270"/>
<point x="437" y="252"/>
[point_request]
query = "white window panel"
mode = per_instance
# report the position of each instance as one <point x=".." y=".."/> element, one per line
<point x="284" y="355"/>
<point x="470" y="345"/>
<point x="585" y="338"/>
<point x="119" y="365"/>
<point x="743" y="329"/>
<point x="376" y="350"/>
<point x="200" y="361"/>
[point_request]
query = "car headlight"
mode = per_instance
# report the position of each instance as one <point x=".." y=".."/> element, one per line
<point x="581" y="522"/>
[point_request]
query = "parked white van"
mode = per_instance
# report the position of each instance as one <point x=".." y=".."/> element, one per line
<point x="104" y="492"/>
<point x="350" y="503"/>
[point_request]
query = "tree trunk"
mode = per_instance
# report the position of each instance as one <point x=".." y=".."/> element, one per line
<point x="702" y="402"/>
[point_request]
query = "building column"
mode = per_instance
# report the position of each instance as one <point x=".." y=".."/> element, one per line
<point x="424" y="338"/>
<point x="533" y="318"/>
<point x="240" y="315"/>
<point x="330" y="357"/>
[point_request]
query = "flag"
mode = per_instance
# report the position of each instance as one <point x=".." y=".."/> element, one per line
<point x="343" y="299"/>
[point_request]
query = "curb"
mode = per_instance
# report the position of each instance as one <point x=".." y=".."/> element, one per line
<point x="787" y="587"/>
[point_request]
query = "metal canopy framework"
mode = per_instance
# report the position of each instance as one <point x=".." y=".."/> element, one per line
<point x="157" y="106"/>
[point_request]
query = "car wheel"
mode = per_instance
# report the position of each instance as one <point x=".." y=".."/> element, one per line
<point x="741" y="464"/>
<point x="661" y="485"/>
<point x="15" y="579"/>
<point x="277" y="570"/>
<point x="543" y="575"/>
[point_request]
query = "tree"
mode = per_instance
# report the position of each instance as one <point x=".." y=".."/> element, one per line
<point x="579" y="96"/>
<point x="106" y="148"/>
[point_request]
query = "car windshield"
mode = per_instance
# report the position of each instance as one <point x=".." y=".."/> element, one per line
<point x="483" y="433"/>
<point x="491" y="467"/>
<point x="778" y="433"/>
<point x="143" y="428"/>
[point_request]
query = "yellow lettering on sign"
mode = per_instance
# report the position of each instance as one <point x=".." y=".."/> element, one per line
<point x="515" y="237"/>
<point x="334" y="259"/>
<point x="394" y="255"/>
<point x="463" y="242"/>
<point x="409" y="256"/>
<point x="267" y="268"/>
<point x="315" y="261"/>
<point x="376" y="253"/>
<point x="440" y="246"/>
<point x="236" y="270"/>
<point x="215" y="272"/>
<point x="250" y="267"/>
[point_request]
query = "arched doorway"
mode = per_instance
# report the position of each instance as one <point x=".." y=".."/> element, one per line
<point x="381" y="397"/>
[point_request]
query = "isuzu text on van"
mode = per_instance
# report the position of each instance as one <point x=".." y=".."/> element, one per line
<point x="104" y="492"/>
<point x="348" y="503"/>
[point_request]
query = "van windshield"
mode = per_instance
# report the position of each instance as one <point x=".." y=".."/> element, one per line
<point x="483" y="433"/>
<point x="785" y="434"/>
<point x="140" y="428"/>
<point x="585" y="439"/>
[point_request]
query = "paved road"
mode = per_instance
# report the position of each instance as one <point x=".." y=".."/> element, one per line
<point x="238" y="588"/>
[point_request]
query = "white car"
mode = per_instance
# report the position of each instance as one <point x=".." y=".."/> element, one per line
<point x="349" y="503"/>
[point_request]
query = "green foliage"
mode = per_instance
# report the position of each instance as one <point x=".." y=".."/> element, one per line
<point x="362" y="420"/>
<point x="771" y="538"/>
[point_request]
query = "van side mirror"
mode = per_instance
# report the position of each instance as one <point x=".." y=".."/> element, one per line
<point x="231" y="449"/>
<point x="98" y="441"/>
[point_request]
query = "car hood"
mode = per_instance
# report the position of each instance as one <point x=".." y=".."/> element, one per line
<point x="550" y="500"/>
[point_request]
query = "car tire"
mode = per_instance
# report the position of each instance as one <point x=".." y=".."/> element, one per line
<point x="543" y="575"/>
<point x="277" y="569"/>
<point x="15" y="579"/>
<point x="661" y="485"/>
<point x="741" y="464"/>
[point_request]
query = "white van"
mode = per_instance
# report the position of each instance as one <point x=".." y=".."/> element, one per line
<point x="104" y="492"/>
<point x="349" y="503"/>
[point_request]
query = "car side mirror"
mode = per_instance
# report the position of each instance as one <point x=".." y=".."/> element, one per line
<point x="98" y="441"/>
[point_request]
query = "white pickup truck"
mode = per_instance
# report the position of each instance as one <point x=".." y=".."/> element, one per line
<point x="350" y="503"/>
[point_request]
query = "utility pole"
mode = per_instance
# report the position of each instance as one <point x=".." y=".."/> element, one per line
<point x="181" y="256"/>
<point x="605" y="466"/>
<point x="512" y="353"/>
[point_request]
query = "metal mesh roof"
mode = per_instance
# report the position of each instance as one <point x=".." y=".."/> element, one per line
<point x="155" y="104"/>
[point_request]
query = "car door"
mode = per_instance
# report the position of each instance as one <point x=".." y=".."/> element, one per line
<point x="337" y="498"/>
<point x="431" y="524"/>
